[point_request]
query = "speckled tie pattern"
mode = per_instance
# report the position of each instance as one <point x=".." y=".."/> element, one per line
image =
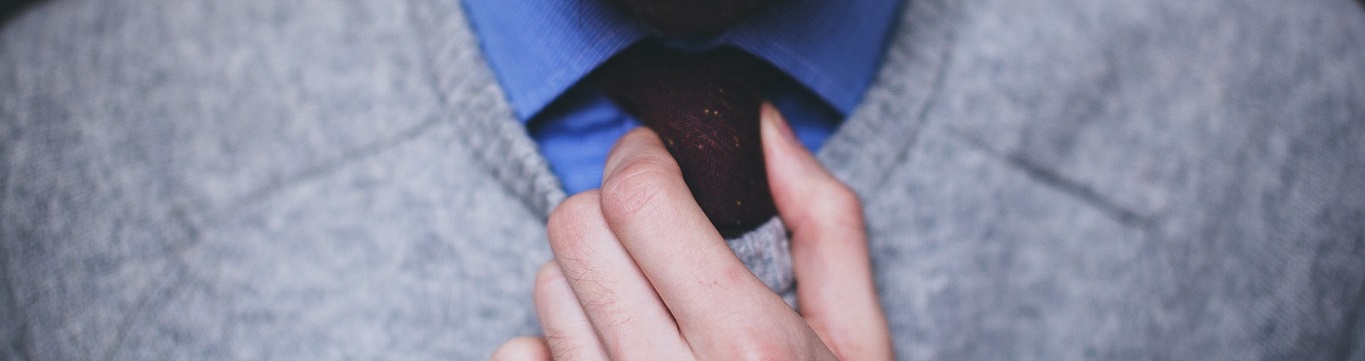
<point x="705" y="108"/>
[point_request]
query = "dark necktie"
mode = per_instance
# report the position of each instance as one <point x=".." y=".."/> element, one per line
<point x="705" y="108"/>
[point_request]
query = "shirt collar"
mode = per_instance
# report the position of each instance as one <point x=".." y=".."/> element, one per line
<point x="540" y="48"/>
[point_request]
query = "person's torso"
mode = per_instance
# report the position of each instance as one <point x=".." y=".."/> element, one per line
<point x="1041" y="179"/>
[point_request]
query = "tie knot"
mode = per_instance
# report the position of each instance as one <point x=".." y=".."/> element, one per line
<point x="690" y="17"/>
<point x="648" y="76"/>
<point x="705" y="108"/>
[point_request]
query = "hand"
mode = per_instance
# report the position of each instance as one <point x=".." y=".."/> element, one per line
<point x="640" y="273"/>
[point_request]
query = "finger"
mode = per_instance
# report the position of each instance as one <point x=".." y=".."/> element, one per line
<point x="568" y="333"/>
<point x="716" y="301"/>
<point x="523" y="349"/>
<point x="836" y="295"/>
<point x="630" y="319"/>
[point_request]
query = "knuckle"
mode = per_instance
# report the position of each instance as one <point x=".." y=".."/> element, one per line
<point x="753" y="348"/>
<point x="520" y="348"/>
<point x="607" y="307"/>
<point x="639" y="134"/>
<point x="733" y="278"/>
<point x="561" y="345"/>
<point x="640" y="138"/>
<point x="547" y="278"/>
<point x="842" y="198"/>
<point x="841" y="209"/>
<point x="578" y="208"/>
<point x="637" y="185"/>
<point x="567" y="221"/>
<point x="843" y="341"/>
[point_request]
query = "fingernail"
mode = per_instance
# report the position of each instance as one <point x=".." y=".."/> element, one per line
<point x="773" y="115"/>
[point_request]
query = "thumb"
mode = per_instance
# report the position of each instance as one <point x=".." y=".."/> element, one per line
<point x="835" y="289"/>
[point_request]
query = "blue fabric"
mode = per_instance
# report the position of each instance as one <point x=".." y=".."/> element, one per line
<point x="541" y="49"/>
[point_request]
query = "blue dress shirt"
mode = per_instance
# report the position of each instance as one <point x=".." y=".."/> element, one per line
<point x="541" y="49"/>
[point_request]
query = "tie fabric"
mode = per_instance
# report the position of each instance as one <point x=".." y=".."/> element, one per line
<point x="705" y="107"/>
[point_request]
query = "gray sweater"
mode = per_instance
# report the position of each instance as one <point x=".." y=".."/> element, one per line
<point x="1043" y="179"/>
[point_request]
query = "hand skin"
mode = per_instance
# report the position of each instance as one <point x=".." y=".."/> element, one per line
<point x="640" y="274"/>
